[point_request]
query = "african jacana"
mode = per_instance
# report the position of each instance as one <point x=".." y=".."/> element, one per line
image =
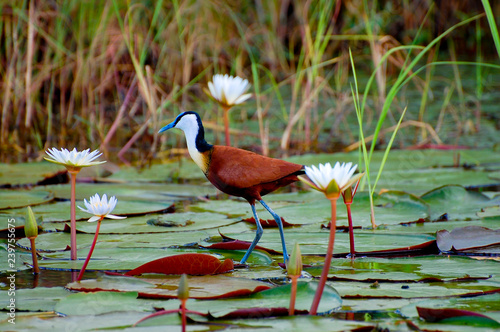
<point x="237" y="172"/>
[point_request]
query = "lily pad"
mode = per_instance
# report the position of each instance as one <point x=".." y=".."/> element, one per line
<point x="190" y="264"/>
<point x="465" y="203"/>
<point x="131" y="191"/>
<point x="200" y="287"/>
<point x="490" y="212"/>
<point x="60" y="211"/>
<point x="17" y="174"/>
<point x="10" y="199"/>
<point x="272" y="298"/>
<point x="183" y="169"/>
<point x="37" y="299"/>
<point x="456" y="316"/>
<point x="418" y="171"/>
<point x="98" y="303"/>
<point x="105" y="259"/>
<point x="480" y="239"/>
<point x="159" y="223"/>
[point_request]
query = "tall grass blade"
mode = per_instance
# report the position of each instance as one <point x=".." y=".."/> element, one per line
<point x="493" y="26"/>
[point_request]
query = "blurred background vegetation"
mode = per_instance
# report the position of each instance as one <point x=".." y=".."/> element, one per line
<point x="108" y="74"/>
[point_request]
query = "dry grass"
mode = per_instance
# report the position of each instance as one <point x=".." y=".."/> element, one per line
<point x="107" y="74"/>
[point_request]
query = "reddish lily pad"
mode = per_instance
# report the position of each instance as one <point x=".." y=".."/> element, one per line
<point x="457" y="316"/>
<point x="469" y="238"/>
<point x="191" y="264"/>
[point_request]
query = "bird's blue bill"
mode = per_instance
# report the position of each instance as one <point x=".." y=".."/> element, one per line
<point x="167" y="127"/>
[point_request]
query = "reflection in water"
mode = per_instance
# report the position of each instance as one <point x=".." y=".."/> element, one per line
<point x="46" y="278"/>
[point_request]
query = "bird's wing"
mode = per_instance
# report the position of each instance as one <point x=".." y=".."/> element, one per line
<point x="242" y="169"/>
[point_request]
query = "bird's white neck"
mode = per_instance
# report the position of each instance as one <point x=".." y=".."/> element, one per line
<point x="191" y="129"/>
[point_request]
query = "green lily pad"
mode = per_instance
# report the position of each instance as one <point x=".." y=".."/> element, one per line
<point x="49" y="321"/>
<point x="418" y="171"/>
<point x="28" y="173"/>
<point x="58" y="241"/>
<point x="11" y="263"/>
<point x="162" y="286"/>
<point x="408" y="269"/>
<point x="60" y="211"/>
<point x="271" y="298"/>
<point x="315" y="243"/>
<point x="490" y="212"/>
<point x="10" y="199"/>
<point x="131" y="191"/>
<point x="465" y="205"/>
<point x="97" y="303"/>
<point x="390" y="208"/>
<point x="36" y="299"/>
<point x="183" y="169"/>
<point x="160" y="223"/>
<point x="106" y="259"/>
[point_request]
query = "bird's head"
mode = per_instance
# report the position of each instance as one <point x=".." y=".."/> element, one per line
<point x="189" y="122"/>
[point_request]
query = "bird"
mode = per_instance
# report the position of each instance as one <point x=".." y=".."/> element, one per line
<point x="238" y="172"/>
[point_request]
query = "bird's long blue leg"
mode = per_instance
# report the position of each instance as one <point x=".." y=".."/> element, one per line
<point x="258" y="235"/>
<point x="280" y="226"/>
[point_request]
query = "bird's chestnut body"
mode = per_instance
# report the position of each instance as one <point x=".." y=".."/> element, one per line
<point x="249" y="175"/>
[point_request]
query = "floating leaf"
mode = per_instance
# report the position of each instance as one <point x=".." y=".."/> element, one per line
<point x="10" y="199"/>
<point x="39" y="172"/>
<point x="239" y="245"/>
<point x="275" y="297"/>
<point x="489" y="212"/>
<point x="131" y="191"/>
<point x="465" y="203"/>
<point x="156" y="223"/>
<point x="259" y="312"/>
<point x="191" y="264"/>
<point x="184" y="169"/>
<point x="60" y="211"/>
<point x="269" y="223"/>
<point x="165" y="287"/>
<point x="99" y="303"/>
<point x="36" y="299"/>
<point x="480" y="239"/>
<point x="456" y="316"/>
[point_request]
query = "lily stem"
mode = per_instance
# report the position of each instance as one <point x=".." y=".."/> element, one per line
<point x="328" y="259"/>
<point x="82" y="271"/>
<point x="351" y="230"/>
<point x="293" y="295"/>
<point x="72" y="175"/>
<point x="36" y="269"/>
<point x="226" y="125"/>
<point x="183" y="314"/>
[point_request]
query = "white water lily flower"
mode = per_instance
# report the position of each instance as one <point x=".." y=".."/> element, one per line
<point x="100" y="207"/>
<point x="331" y="180"/>
<point x="73" y="159"/>
<point x="229" y="90"/>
